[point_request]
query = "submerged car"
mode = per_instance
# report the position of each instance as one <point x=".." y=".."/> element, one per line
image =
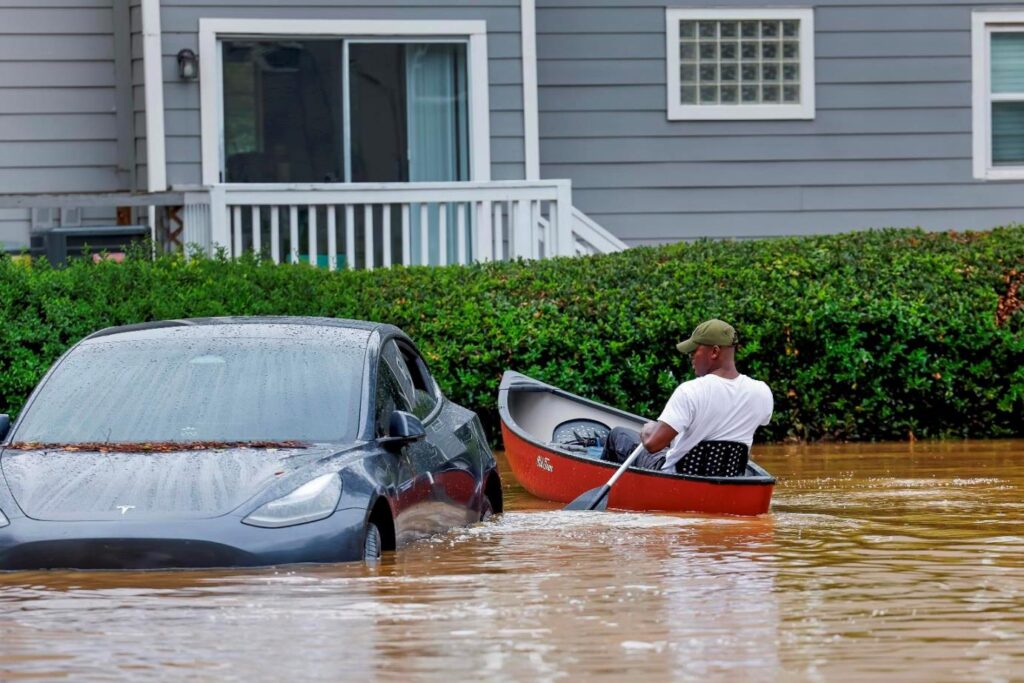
<point x="237" y="442"/>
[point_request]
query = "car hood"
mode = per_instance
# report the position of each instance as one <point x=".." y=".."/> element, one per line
<point x="60" y="485"/>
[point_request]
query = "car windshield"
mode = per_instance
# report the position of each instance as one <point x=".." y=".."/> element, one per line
<point x="199" y="389"/>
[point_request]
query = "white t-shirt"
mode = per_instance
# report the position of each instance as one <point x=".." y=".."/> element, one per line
<point x="712" y="408"/>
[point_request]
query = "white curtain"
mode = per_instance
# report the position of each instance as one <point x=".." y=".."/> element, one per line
<point x="437" y="130"/>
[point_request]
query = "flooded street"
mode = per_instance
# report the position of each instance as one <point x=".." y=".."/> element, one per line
<point x="877" y="560"/>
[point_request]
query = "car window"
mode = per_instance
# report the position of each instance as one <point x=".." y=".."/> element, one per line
<point x="210" y="389"/>
<point x="424" y="391"/>
<point x="412" y="377"/>
<point x="392" y="358"/>
<point x="391" y="396"/>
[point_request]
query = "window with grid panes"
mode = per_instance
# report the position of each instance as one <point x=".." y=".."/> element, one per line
<point x="729" y="65"/>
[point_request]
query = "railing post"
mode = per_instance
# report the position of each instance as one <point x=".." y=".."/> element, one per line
<point x="196" y="214"/>
<point x="442" y="234"/>
<point x="257" y="231"/>
<point x="424" y="234"/>
<point x="293" y="234"/>
<point x="220" y="231"/>
<point x="237" y="224"/>
<point x="483" y="245"/>
<point x="368" y="249"/>
<point x="521" y="237"/>
<point x="563" y="211"/>
<point x="350" y="237"/>
<point x="332" y="237"/>
<point x="275" y="234"/>
<point x="460" y="233"/>
<point x="386" y="234"/>
<point x="406" y="235"/>
<point x="535" y="234"/>
<point x="314" y="250"/>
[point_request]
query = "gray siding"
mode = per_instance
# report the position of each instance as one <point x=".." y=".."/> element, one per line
<point x="890" y="144"/>
<point x="180" y="25"/>
<point x="138" y="90"/>
<point x="58" y="129"/>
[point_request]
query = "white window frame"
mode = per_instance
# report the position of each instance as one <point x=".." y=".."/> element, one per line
<point x="983" y="25"/>
<point x="739" y="112"/>
<point x="211" y="86"/>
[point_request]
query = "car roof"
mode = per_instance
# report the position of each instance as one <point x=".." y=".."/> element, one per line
<point x="245" y="326"/>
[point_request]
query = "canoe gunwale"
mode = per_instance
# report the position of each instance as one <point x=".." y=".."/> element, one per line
<point x="517" y="382"/>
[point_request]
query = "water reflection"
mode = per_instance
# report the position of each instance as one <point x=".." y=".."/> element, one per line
<point x="877" y="561"/>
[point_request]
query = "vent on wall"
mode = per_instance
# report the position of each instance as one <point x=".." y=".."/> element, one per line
<point x="71" y="217"/>
<point x="45" y="218"/>
<point x="51" y="217"/>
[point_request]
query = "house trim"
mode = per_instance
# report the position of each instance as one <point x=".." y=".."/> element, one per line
<point x="531" y="125"/>
<point x="982" y="23"/>
<point x="210" y="77"/>
<point x="156" y="155"/>
<point x="740" y="112"/>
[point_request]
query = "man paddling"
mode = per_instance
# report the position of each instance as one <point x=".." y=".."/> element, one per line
<point x="708" y="424"/>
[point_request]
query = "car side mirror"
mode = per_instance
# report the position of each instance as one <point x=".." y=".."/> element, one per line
<point x="5" y="426"/>
<point x="403" y="428"/>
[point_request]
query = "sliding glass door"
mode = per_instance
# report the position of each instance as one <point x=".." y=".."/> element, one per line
<point x="344" y="111"/>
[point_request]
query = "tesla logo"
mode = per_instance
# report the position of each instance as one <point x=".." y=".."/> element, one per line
<point x="544" y="464"/>
<point x="125" y="508"/>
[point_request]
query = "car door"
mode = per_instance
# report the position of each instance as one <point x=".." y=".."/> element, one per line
<point x="414" y="486"/>
<point x="454" y="470"/>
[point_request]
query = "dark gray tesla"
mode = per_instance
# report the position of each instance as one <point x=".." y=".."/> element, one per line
<point x="237" y="441"/>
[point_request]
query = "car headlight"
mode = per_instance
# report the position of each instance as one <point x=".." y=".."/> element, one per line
<point x="3" y="520"/>
<point x="308" y="503"/>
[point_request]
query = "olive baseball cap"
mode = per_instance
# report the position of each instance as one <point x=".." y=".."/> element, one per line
<point x="712" y="332"/>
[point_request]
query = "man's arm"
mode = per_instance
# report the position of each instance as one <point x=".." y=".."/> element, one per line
<point x="656" y="435"/>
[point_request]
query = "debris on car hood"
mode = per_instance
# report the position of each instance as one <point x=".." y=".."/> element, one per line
<point x="151" y="446"/>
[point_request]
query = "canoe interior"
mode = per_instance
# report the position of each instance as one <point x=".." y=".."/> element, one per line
<point x="537" y="410"/>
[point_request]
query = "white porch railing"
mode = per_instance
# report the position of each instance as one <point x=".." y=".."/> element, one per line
<point x="371" y="225"/>
<point x="591" y="238"/>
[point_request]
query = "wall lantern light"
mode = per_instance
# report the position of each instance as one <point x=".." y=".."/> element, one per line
<point x="188" y="65"/>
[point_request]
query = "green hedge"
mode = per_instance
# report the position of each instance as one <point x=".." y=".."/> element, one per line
<point x="870" y="335"/>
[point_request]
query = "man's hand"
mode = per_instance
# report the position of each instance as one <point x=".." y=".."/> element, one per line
<point x="656" y="436"/>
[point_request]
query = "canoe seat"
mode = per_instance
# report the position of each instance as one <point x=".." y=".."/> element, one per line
<point x="715" y="459"/>
<point x="581" y="432"/>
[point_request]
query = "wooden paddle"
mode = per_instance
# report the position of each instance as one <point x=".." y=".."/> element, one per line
<point x="597" y="499"/>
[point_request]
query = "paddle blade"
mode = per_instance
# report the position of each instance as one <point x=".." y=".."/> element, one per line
<point x="594" y="499"/>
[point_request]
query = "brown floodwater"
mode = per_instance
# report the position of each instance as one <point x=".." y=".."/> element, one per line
<point x="877" y="561"/>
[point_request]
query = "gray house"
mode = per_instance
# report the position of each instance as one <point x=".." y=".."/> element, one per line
<point x="361" y="134"/>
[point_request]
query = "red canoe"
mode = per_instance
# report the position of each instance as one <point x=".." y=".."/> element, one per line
<point x="536" y="418"/>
